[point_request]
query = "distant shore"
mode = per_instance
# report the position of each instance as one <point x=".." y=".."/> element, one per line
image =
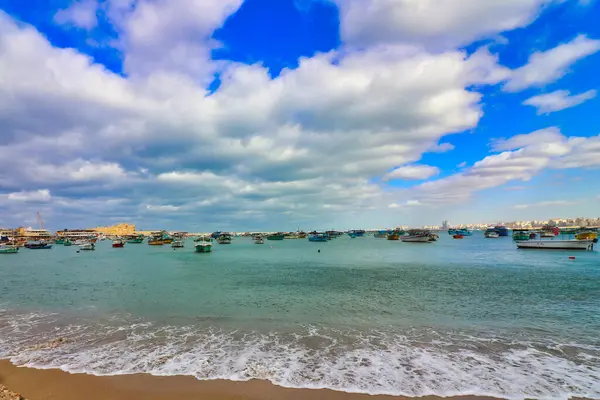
<point x="34" y="384"/>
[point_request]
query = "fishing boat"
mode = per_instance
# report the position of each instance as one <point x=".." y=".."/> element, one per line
<point x="417" y="236"/>
<point x="276" y="236"/>
<point x="463" y="232"/>
<point x="203" y="244"/>
<point x="136" y="240"/>
<point x="502" y="230"/>
<point x="433" y="237"/>
<point x="491" y="234"/>
<point x="394" y="235"/>
<point x="177" y="243"/>
<point x="357" y="233"/>
<point x="572" y="244"/>
<point x="87" y="246"/>
<point x="59" y="241"/>
<point x="318" y="237"/>
<point x="7" y="249"/>
<point x="381" y="234"/>
<point x="586" y="235"/>
<point x="520" y="235"/>
<point x="457" y="236"/>
<point x="67" y="242"/>
<point x="41" y="245"/>
<point x="291" y="235"/>
<point x="302" y="235"/>
<point x="224" y="238"/>
<point x="259" y="240"/>
<point x="118" y="243"/>
<point x="451" y="232"/>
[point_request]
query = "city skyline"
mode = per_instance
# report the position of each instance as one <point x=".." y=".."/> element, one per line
<point x="233" y="114"/>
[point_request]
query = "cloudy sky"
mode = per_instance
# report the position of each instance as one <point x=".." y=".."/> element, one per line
<point x="265" y="114"/>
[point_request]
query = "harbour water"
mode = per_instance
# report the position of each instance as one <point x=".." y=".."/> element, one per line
<point x="472" y="316"/>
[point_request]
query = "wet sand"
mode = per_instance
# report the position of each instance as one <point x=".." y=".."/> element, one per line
<point x="34" y="384"/>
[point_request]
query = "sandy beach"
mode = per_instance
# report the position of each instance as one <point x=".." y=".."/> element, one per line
<point x="34" y="384"/>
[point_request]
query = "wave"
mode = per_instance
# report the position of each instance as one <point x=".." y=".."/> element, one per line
<point x="409" y="363"/>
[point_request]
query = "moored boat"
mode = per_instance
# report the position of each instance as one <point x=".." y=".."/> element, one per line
<point x="67" y="242"/>
<point x="491" y="234"/>
<point x="557" y="244"/>
<point x="586" y="235"/>
<point x="177" y="243"/>
<point x="356" y="233"/>
<point x="318" y="237"/>
<point x="395" y="235"/>
<point x="224" y="238"/>
<point x="59" y="241"/>
<point x="41" y="245"/>
<point x="136" y="240"/>
<point x="87" y="246"/>
<point x="502" y="230"/>
<point x="416" y="239"/>
<point x="259" y="240"/>
<point x="203" y="244"/>
<point x="118" y="243"/>
<point x="520" y="235"/>
<point x="276" y="236"/>
<point x="8" y="249"/>
<point x="381" y="235"/>
<point x="457" y="236"/>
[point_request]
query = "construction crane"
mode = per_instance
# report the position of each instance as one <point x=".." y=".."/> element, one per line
<point x="39" y="218"/>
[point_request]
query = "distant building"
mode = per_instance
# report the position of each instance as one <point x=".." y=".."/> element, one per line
<point x="445" y="225"/>
<point x="76" y="233"/>
<point x="117" y="230"/>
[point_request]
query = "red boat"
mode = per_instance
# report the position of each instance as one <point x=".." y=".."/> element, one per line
<point x="118" y="243"/>
<point x="458" y="236"/>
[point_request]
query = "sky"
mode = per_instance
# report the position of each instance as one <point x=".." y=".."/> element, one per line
<point x="201" y="115"/>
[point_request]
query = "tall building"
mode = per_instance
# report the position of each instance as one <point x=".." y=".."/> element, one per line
<point x="445" y="225"/>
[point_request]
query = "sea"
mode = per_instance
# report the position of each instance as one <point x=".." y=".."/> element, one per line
<point x="456" y="317"/>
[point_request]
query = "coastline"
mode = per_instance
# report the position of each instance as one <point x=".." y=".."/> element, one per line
<point x="44" y="384"/>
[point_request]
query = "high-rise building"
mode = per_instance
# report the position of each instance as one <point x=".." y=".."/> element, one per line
<point x="445" y="225"/>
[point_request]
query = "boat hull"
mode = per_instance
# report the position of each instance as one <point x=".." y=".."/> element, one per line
<point x="394" y="236"/>
<point x="416" y="239"/>
<point x="203" y="248"/>
<point x="275" y="237"/>
<point x="9" y="250"/>
<point x="556" y="244"/>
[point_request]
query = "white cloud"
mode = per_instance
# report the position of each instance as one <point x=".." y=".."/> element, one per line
<point x="41" y="195"/>
<point x="437" y="24"/>
<point x="558" y="100"/>
<point x="551" y="65"/>
<point x="555" y="203"/>
<point x="541" y="137"/>
<point x="415" y="171"/>
<point x="81" y="13"/>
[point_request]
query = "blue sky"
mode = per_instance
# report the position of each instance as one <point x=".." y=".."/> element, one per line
<point x="258" y="114"/>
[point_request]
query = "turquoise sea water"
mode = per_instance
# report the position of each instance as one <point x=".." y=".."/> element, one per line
<point x="471" y="316"/>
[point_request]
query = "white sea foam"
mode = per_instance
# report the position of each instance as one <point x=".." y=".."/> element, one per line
<point x="407" y="363"/>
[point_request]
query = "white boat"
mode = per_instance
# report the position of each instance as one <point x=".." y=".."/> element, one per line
<point x="87" y="246"/>
<point x="177" y="243"/>
<point x="547" y="234"/>
<point x="259" y="240"/>
<point x="416" y="239"/>
<point x="556" y="244"/>
<point x="492" y="235"/>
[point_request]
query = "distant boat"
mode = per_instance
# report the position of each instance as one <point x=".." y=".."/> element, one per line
<point x="291" y="235"/>
<point x="557" y="244"/>
<point x="381" y="234"/>
<point x="463" y="232"/>
<point x="67" y="242"/>
<point x="416" y="239"/>
<point x="457" y="236"/>
<point x="356" y="233"/>
<point x="87" y="246"/>
<point x="491" y="234"/>
<point x="203" y="244"/>
<point x="38" y="245"/>
<point x="224" y="238"/>
<point x="502" y="230"/>
<point x="177" y="243"/>
<point x="136" y="240"/>
<point x="59" y="241"/>
<point x="156" y="241"/>
<point x="276" y="236"/>
<point x="319" y="237"/>
<point x="520" y="235"/>
<point x="7" y="249"/>
<point x="395" y="235"/>
<point x="117" y="243"/>
<point x="259" y="240"/>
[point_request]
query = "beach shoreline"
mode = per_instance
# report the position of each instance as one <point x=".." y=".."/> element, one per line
<point x="51" y="384"/>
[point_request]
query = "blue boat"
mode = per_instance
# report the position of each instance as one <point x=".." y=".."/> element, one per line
<point x="463" y="232"/>
<point x="318" y="238"/>
<point x="502" y="230"/>
<point x="356" y="233"/>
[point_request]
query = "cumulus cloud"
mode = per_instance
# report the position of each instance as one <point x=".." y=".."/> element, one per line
<point x="415" y="171"/>
<point x="549" y="66"/>
<point x="436" y="24"/>
<point x="558" y="100"/>
<point x="81" y="13"/>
